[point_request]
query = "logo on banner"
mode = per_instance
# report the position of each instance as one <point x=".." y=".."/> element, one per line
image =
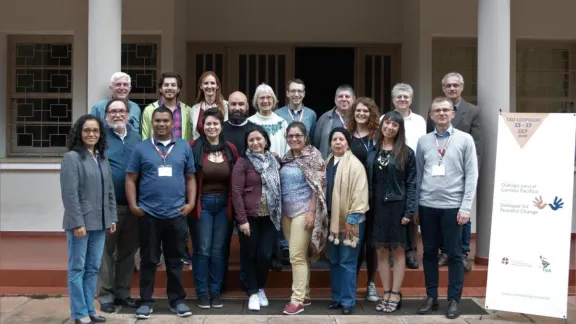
<point x="523" y="127"/>
<point x="540" y="204"/>
<point x="515" y="263"/>
<point x="545" y="264"/>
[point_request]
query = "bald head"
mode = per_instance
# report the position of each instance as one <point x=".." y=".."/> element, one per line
<point x="238" y="104"/>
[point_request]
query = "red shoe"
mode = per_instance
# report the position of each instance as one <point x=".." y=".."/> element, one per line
<point x="307" y="302"/>
<point x="293" y="309"/>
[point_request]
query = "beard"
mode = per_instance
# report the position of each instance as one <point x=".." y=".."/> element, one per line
<point x="238" y="118"/>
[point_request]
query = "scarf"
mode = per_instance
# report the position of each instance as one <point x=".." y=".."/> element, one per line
<point x="267" y="166"/>
<point x="312" y="165"/>
<point x="202" y="146"/>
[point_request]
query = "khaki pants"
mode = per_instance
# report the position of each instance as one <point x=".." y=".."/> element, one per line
<point x="298" y="241"/>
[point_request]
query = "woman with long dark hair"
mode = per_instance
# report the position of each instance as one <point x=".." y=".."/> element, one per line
<point x="392" y="186"/>
<point x="209" y="96"/>
<point x="89" y="210"/>
<point x="212" y="215"/>
<point x="258" y="206"/>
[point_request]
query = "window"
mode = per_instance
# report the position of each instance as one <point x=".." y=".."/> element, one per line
<point x="455" y="55"/>
<point x="545" y="77"/>
<point x="140" y="60"/>
<point x="39" y="94"/>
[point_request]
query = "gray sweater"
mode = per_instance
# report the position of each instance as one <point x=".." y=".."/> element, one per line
<point x="457" y="188"/>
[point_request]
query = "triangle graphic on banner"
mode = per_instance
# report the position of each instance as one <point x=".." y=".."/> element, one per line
<point x="523" y="126"/>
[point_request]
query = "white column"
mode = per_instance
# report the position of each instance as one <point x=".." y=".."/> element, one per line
<point x="4" y="95"/>
<point x="104" y="46"/>
<point x="493" y="96"/>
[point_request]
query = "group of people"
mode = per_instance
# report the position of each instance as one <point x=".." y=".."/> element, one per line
<point x="352" y="185"/>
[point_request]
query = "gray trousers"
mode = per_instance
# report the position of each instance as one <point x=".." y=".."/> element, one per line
<point x="117" y="268"/>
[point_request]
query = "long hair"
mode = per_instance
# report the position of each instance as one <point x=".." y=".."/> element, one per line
<point x="399" y="148"/>
<point x="75" y="137"/>
<point x="219" y="98"/>
<point x="372" y="119"/>
<point x="262" y="132"/>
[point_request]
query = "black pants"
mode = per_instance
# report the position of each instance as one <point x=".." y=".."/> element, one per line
<point x="441" y="226"/>
<point x="171" y="235"/>
<point x="367" y="252"/>
<point x="411" y="239"/>
<point x="257" y="250"/>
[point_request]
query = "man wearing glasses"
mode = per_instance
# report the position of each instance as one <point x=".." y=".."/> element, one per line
<point x="115" y="276"/>
<point x="295" y="109"/>
<point x="466" y="119"/>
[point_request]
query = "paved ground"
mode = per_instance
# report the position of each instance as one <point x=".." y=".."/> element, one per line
<point x="22" y="310"/>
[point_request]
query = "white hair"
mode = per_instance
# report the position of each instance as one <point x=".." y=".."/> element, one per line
<point x="345" y="87"/>
<point x="264" y="88"/>
<point x="453" y="74"/>
<point x="402" y="87"/>
<point x="120" y="75"/>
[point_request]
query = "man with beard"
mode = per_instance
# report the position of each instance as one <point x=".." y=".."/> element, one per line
<point x="336" y="117"/>
<point x="120" y="86"/>
<point x="238" y="124"/>
<point x="169" y="85"/>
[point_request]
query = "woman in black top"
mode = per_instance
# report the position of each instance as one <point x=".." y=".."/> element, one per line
<point x="363" y="126"/>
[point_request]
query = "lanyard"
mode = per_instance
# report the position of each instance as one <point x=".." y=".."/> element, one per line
<point x="368" y="144"/>
<point x="301" y="115"/>
<point x="441" y="152"/>
<point x="341" y="120"/>
<point x="164" y="157"/>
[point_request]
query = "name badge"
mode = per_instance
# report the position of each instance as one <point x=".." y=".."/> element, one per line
<point x="438" y="170"/>
<point x="165" y="171"/>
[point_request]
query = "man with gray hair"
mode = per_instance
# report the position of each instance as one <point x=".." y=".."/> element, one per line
<point x="466" y="119"/>
<point x="120" y="86"/>
<point x="335" y="117"/>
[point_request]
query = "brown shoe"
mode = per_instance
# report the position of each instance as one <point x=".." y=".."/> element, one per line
<point x="467" y="266"/>
<point x="443" y="260"/>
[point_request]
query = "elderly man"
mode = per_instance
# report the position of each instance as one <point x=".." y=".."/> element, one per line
<point x="336" y="117"/>
<point x="115" y="276"/>
<point x="466" y="119"/>
<point x="120" y="86"/>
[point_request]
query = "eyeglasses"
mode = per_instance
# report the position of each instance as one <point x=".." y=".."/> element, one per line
<point x="91" y="130"/>
<point x="293" y="91"/>
<point x="117" y="112"/>
<point x="294" y="136"/>
<point x="444" y="110"/>
<point x="452" y="85"/>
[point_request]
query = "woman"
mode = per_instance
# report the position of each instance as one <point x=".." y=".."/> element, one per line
<point x="212" y="215"/>
<point x="258" y="206"/>
<point x="264" y="101"/>
<point x="347" y="201"/>
<point x="304" y="214"/>
<point x="363" y="125"/>
<point x="89" y="210"/>
<point x="392" y="183"/>
<point x="209" y="96"/>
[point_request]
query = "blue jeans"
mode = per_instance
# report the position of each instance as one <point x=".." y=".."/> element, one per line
<point x="343" y="264"/>
<point x="209" y="239"/>
<point x="84" y="257"/>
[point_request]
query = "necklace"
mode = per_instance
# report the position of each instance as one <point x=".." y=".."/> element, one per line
<point x="383" y="159"/>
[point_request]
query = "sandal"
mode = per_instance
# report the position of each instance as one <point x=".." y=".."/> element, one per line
<point x="383" y="304"/>
<point x="394" y="305"/>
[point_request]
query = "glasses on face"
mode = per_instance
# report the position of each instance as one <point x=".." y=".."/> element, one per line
<point x="117" y="112"/>
<point x="451" y="85"/>
<point x="88" y="131"/>
<point x="444" y="110"/>
<point x="294" y="136"/>
<point x="294" y="91"/>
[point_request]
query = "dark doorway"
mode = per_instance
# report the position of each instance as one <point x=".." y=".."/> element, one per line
<point x="323" y="69"/>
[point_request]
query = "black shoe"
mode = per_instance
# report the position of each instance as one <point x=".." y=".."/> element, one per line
<point x="128" y="302"/>
<point x="216" y="302"/>
<point x="334" y="305"/>
<point x="453" y="310"/>
<point x="204" y="302"/>
<point x="276" y="265"/>
<point x="347" y="310"/>
<point x="102" y="319"/>
<point x="107" y="308"/>
<point x="411" y="263"/>
<point x="430" y="304"/>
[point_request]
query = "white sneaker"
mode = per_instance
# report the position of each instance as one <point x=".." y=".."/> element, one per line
<point x="263" y="298"/>
<point x="254" y="302"/>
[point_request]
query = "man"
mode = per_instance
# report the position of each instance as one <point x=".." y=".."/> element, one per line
<point x="336" y="117"/>
<point x="115" y="276"/>
<point x="169" y="87"/>
<point x="236" y="127"/>
<point x="467" y="119"/>
<point x="415" y="127"/>
<point x="295" y="110"/>
<point x="164" y="167"/>
<point x="447" y="174"/>
<point x="120" y="86"/>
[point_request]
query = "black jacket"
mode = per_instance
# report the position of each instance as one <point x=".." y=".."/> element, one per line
<point x="400" y="184"/>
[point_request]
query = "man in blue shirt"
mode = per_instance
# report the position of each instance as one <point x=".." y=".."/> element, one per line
<point x="164" y="165"/>
<point x="295" y="110"/>
<point x="115" y="276"/>
<point x="120" y="86"/>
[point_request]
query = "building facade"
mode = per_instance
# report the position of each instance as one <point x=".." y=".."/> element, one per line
<point x="57" y="57"/>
